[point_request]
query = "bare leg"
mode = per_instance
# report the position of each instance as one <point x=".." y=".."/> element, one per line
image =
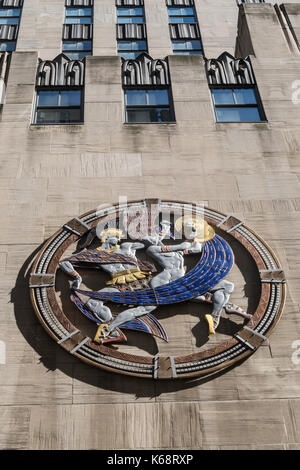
<point x="130" y="314"/>
<point x="220" y="297"/>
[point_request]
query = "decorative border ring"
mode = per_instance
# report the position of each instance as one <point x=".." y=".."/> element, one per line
<point x="205" y="362"/>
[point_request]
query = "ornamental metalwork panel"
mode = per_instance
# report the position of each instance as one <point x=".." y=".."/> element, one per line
<point x="79" y="3"/>
<point x="77" y="31"/>
<point x="145" y="71"/>
<point x="129" y="3"/>
<point x="227" y="70"/>
<point x="131" y="31"/>
<point x="184" y="31"/>
<point x="11" y="3"/>
<point x="180" y="3"/>
<point x="60" y="71"/>
<point x="9" y="32"/>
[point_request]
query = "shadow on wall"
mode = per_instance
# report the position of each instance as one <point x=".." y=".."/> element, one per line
<point x="53" y="357"/>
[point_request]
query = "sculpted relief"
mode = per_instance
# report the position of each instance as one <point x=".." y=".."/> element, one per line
<point x="142" y="257"/>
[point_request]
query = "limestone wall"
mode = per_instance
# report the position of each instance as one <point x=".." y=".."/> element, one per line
<point x="49" y="174"/>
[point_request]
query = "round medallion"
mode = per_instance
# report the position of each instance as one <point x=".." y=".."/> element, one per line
<point x="160" y="270"/>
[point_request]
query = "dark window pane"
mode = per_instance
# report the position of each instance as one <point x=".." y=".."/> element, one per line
<point x="83" y="20"/>
<point x="223" y="96"/>
<point x="158" y="97"/>
<point x="149" y="115"/>
<point x="189" y="19"/>
<point x="70" y="98"/>
<point x="69" y="115"/>
<point x="7" y="46"/>
<point x="56" y="116"/>
<point x="130" y="19"/>
<point x="135" y="97"/>
<point x="181" y="11"/>
<point x="194" y="44"/>
<point x="182" y="19"/>
<point x="174" y="11"/>
<point x="46" y="116"/>
<point x="237" y="114"/>
<point x="138" y="115"/>
<point x="9" y="20"/>
<point x="10" y="12"/>
<point x="78" y="12"/>
<point x="132" y="45"/>
<point x="245" y="96"/>
<point x="48" y="98"/>
<point x="186" y="44"/>
<point x="124" y="45"/>
<point x="67" y="46"/>
<point x="249" y="114"/>
<point x="179" y="45"/>
<point x="130" y="11"/>
<point x="130" y="55"/>
<point x="187" y="52"/>
<point x="77" y="45"/>
<point x="78" y="55"/>
<point x="160" y="115"/>
<point x="187" y="11"/>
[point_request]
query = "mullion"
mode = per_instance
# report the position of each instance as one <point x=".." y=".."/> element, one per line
<point x="147" y="106"/>
<point x="236" y="105"/>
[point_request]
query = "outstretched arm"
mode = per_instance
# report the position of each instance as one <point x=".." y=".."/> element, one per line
<point x="133" y="246"/>
<point x="68" y="268"/>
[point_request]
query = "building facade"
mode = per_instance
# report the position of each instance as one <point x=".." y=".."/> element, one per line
<point x="190" y="100"/>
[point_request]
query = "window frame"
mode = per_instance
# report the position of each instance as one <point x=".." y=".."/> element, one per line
<point x="258" y="105"/>
<point x="58" y="89"/>
<point x="169" y="107"/>
<point x="196" y="23"/>
<point x="11" y="41"/>
<point x="86" y="52"/>
<point x="12" y="16"/>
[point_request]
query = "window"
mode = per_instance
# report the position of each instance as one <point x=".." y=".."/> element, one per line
<point x="131" y="49"/>
<point x="182" y="15"/>
<point x="185" y="40"/>
<point x="7" y="46"/>
<point x="78" y="49"/>
<point x="58" y="107"/>
<point x="148" y="105"/>
<point x="78" y="15"/>
<point x="187" y="46"/>
<point x="130" y="15"/>
<point x="237" y="105"/>
<point x="9" y="16"/>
